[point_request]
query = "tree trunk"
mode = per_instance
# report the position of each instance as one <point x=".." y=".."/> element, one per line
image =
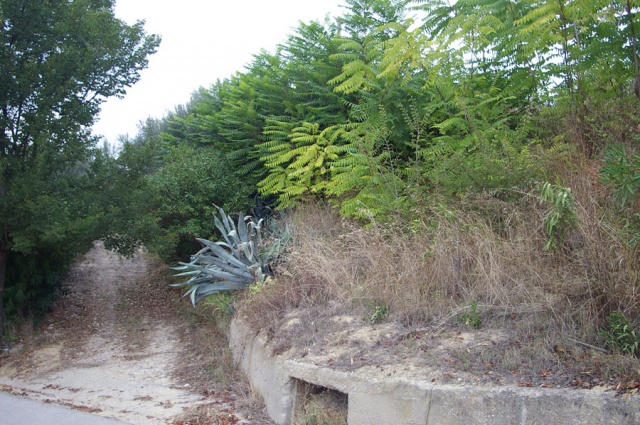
<point x="564" y="28"/>
<point x="636" y="85"/>
<point x="4" y="258"/>
<point x="4" y="254"/>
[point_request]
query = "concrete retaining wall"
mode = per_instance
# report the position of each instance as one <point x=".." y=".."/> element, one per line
<point x="379" y="400"/>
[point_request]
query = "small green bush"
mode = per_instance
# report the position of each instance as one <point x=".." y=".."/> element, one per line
<point x="621" y="336"/>
<point x="472" y="317"/>
<point x="560" y="216"/>
<point x="379" y="312"/>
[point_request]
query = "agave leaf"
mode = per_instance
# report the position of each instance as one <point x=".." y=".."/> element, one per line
<point x="255" y="230"/>
<point x="190" y="291"/>
<point x="228" y="221"/>
<point x="229" y="276"/>
<point x="222" y="229"/>
<point x="238" y="254"/>
<point x="201" y="291"/>
<point x="224" y="245"/>
<point x="255" y="252"/>
<point x="189" y="273"/>
<point x="248" y="251"/>
<point x="224" y="219"/>
<point x="260" y="276"/>
<point x="199" y="281"/>
<point x="221" y="286"/>
<point x="236" y="239"/>
<point x="226" y="227"/>
<point x="222" y="253"/>
<point x="243" y="232"/>
<point x="220" y="274"/>
<point x="192" y="281"/>
<point x="208" y="245"/>
<point x="230" y="257"/>
<point x="197" y="269"/>
<point x="224" y="265"/>
<point x="183" y="267"/>
<point x="202" y="251"/>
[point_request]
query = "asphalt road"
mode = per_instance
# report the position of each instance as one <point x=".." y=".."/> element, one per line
<point x="22" y="411"/>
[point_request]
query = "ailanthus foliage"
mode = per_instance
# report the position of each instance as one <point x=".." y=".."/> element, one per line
<point x="491" y="147"/>
<point x="396" y="101"/>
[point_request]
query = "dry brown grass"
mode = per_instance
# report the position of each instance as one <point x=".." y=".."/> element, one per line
<point x="319" y="406"/>
<point x="483" y="251"/>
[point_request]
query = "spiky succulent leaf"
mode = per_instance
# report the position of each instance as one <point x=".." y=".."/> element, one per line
<point x="226" y="265"/>
<point x="200" y="291"/>
<point x="215" y="261"/>
<point x="243" y="232"/>
<point x="218" y="251"/>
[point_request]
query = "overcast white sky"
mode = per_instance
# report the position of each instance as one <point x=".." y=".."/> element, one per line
<point x="202" y="41"/>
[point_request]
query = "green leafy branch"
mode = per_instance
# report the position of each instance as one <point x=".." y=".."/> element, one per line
<point x="621" y="335"/>
<point x="560" y="216"/>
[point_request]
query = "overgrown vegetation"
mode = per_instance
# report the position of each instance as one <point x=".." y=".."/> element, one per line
<point x="465" y="161"/>
<point x="59" y="61"/>
<point x="469" y="160"/>
<point x="479" y="265"/>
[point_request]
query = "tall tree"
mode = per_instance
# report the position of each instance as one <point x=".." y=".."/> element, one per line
<point x="59" y="59"/>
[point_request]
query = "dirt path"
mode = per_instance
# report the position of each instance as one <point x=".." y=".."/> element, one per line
<point x="111" y="347"/>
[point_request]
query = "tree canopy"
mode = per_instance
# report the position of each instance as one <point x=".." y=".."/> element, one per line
<point x="392" y="106"/>
<point x="59" y="60"/>
<point x="397" y="98"/>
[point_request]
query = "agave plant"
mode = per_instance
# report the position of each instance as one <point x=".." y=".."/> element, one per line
<point x="232" y="264"/>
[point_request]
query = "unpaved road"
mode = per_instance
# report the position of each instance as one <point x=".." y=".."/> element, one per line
<point x="104" y="353"/>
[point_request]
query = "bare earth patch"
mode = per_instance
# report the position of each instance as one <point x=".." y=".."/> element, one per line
<point x="119" y="344"/>
<point x="445" y="353"/>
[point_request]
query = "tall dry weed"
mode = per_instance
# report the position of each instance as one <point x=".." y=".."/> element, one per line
<point x="482" y="251"/>
<point x="601" y="256"/>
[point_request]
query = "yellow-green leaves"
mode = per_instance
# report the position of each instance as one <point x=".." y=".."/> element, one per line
<point x="301" y="164"/>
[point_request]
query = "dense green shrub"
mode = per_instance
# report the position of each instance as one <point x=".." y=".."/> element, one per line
<point x="184" y="194"/>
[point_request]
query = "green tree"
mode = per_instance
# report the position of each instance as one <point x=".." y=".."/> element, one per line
<point x="162" y="189"/>
<point x="184" y="195"/>
<point x="59" y="60"/>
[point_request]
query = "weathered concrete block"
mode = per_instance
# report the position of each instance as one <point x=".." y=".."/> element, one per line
<point x="376" y="399"/>
<point x="388" y="403"/>
<point x="451" y="405"/>
<point x="266" y="372"/>
<point x="579" y="407"/>
<point x="323" y="377"/>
